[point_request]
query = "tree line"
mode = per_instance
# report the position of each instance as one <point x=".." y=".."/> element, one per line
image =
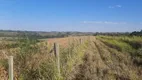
<point x="55" y="34"/>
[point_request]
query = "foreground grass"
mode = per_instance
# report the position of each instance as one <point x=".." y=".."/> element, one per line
<point x="104" y="58"/>
<point x="36" y="61"/>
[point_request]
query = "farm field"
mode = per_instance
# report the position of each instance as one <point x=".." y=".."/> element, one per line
<point x="80" y="58"/>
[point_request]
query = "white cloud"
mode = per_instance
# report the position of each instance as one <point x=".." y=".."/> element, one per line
<point x="106" y="22"/>
<point x="103" y="22"/>
<point x="119" y="6"/>
<point x="96" y="22"/>
<point x="110" y="7"/>
<point x="115" y="6"/>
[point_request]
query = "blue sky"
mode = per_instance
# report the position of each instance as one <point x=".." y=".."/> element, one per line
<point x="71" y="15"/>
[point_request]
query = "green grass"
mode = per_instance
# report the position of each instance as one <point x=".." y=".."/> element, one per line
<point x="117" y="44"/>
<point x="125" y="44"/>
<point x="134" y="41"/>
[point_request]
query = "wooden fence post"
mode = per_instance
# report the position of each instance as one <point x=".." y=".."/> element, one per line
<point x="10" y="67"/>
<point x="56" y="52"/>
<point x="80" y="41"/>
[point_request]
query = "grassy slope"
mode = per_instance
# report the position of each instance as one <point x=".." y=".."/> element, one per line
<point x="93" y="60"/>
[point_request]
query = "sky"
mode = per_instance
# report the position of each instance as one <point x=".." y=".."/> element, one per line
<point x="71" y="15"/>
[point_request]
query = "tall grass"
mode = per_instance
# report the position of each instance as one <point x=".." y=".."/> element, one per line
<point x="70" y="58"/>
<point x="34" y="60"/>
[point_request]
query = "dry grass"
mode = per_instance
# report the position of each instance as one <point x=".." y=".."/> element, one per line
<point x="91" y="60"/>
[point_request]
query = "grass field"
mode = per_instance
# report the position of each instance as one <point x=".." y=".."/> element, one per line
<point x="95" y="58"/>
